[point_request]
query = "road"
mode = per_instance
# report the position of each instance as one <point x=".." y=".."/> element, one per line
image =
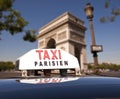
<point x="17" y="74"/>
<point x="111" y="73"/>
<point x="10" y="74"/>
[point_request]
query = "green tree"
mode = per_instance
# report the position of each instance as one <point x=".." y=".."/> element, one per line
<point x="30" y="36"/>
<point x="114" y="11"/>
<point x="12" y="21"/>
<point x="6" y="65"/>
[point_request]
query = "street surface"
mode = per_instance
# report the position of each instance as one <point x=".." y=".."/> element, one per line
<point x="17" y="74"/>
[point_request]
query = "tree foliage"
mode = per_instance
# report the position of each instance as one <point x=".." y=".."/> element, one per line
<point x="12" y="21"/>
<point x="113" y="67"/>
<point x="114" y="12"/>
<point x="30" y="36"/>
<point x="6" y="65"/>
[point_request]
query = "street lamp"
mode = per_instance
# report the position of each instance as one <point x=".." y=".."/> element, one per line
<point x="94" y="48"/>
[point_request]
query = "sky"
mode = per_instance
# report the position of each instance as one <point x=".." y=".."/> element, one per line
<point x="39" y="12"/>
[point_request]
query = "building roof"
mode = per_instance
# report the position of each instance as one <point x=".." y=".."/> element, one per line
<point x="65" y="17"/>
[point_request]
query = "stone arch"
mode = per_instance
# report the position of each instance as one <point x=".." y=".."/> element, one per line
<point x="66" y="32"/>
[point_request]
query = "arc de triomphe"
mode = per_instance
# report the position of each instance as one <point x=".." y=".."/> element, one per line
<point x="65" y="32"/>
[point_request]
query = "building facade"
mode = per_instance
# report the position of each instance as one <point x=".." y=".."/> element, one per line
<point x="65" y="32"/>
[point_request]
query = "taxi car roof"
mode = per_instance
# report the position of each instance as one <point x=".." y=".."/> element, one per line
<point x="61" y="88"/>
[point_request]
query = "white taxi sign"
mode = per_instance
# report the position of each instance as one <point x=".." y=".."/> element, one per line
<point x="47" y="59"/>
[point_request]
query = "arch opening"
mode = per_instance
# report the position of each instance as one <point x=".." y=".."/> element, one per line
<point x="51" y="43"/>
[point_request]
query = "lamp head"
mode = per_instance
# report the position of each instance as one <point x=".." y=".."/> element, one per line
<point x="89" y="11"/>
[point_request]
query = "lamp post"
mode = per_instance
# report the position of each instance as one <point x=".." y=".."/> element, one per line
<point x="89" y="14"/>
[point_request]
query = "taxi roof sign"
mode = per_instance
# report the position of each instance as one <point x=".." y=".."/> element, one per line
<point x="47" y="59"/>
